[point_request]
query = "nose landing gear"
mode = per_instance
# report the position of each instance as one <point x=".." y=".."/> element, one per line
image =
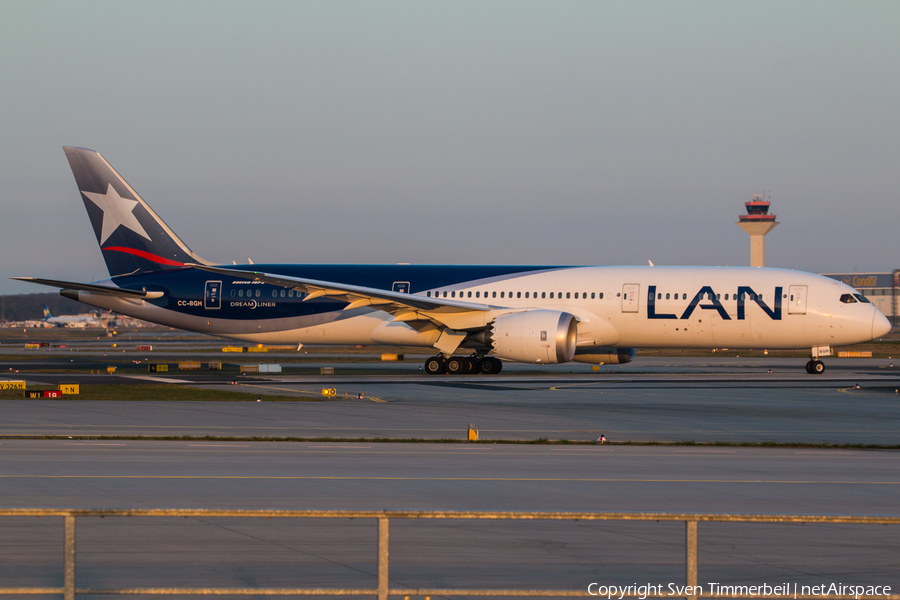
<point x="815" y="367"/>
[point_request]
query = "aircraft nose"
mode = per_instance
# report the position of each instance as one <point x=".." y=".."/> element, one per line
<point x="880" y="325"/>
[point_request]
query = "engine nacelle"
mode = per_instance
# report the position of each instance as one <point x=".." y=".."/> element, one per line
<point x="535" y="336"/>
<point x="604" y="356"/>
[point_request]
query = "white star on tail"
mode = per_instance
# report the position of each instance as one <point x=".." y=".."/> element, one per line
<point x="116" y="211"/>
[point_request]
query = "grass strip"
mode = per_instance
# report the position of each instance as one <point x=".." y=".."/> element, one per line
<point x="160" y="392"/>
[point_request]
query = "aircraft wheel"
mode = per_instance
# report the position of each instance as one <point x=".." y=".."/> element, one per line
<point x="435" y="366"/>
<point x="490" y="365"/>
<point x="817" y="368"/>
<point x="456" y="365"/>
<point x="809" y="367"/>
<point x="471" y="366"/>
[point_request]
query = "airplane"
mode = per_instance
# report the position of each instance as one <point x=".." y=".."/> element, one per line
<point x="85" y="320"/>
<point x="473" y="317"/>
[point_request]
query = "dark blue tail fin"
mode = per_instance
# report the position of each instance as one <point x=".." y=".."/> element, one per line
<point x="47" y="314"/>
<point x="132" y="237"/>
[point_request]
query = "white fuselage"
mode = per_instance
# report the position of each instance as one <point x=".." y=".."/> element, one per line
<point x="690" y="307"/>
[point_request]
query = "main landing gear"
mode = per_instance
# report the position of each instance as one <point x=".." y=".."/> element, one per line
<point x="815" y="367"/>
<point x="463" y="365"/>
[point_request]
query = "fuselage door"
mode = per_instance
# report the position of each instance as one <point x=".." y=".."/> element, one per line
<point x="797" y="300"/>
<point x="630" y="294"/>
<point x="400" y="286"/>
<point x="212" y="296"/>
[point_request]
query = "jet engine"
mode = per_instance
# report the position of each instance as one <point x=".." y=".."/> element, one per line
<point x="534" y="336"/>
<point x="604" y="356"/>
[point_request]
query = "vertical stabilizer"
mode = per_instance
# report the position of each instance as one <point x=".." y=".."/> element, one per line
<point x="132" y="237"/>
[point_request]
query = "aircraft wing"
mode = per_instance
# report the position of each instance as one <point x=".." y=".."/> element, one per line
<point x="103" y="290"/>
<point x="357" y="296"/>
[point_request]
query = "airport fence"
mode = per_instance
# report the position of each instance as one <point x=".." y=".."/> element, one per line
<point x="383" y="591"/>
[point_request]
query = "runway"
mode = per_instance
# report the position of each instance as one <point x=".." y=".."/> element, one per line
<point x="231" y="552"/>
<point x="672" y="400"/>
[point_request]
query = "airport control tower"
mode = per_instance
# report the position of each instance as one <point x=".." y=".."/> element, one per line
<point x="757" y="222"/>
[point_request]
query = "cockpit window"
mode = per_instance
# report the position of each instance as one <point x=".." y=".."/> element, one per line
<point x="848" y="299"/>
<point x="862" y="298"/>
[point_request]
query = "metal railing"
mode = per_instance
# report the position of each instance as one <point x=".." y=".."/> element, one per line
<point x="383" y="517"/>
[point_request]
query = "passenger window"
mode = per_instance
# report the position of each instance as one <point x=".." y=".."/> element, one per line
<point x="428" y="294"/>
<point x="282" y="293"/>
<point x="592" y="295"/>
<point x="848" y="299"/>
<point x="718" y="296"/>
<point x="601" y="295"/>
<point x="576" y="295"/>
<point x="258" y="292"/>
<point x="274" y="293"/>
<point x="232" y="293"/>
<point x="551" y="295"/>
<point x="659" y="296"/>
<point x="453" y="294"/>
<point x="526" y="294"/>
<point x="493" y="294"/>
<point x="469" y="295"/>
<point x="667" y="296"/>
<point x="240" y="293"/>
<point x="726" y="296"/>
<point x="519" y="294"/>
<point x="445" y="294"/>
<point x="501" y="294"/>
<point x="543" y="294"/>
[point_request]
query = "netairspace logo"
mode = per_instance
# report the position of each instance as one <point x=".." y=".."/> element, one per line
<point x="650" y="590"/>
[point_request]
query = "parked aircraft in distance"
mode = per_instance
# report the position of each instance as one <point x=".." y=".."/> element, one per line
<point x="84" y="320"/>
<point x="471" y="316"/>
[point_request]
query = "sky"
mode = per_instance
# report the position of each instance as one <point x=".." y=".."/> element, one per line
<point x="456" y="132"/>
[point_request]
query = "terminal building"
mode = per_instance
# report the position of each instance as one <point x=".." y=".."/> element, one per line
<point x="880" y="288"/>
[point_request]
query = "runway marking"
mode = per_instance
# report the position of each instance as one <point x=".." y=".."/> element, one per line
<point x="157" y="379"/>
<point x="505" y="479"/>
<point x="824" y="452"/>
<point x="269" y="387"/>
<point x="219" y="445"/>
<point x="320" y="448"/>
<point x="88" y="444"/>
<point x="708" y="451"/>
<point x="559" y="388"/>
<point x="280" y="389"/>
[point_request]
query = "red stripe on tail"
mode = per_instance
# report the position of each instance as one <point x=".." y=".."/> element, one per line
<point x="147" y="255"/>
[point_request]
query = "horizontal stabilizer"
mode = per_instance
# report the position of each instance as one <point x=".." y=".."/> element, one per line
<point x="103" y="290"/>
